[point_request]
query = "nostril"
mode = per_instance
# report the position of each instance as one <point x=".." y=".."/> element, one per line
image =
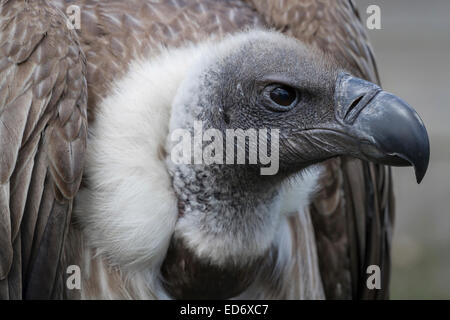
<point x="360" y="103"/>
<point x="352" y="106"/>
<point x="351" y="96"/>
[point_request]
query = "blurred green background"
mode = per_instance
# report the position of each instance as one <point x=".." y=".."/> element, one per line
<point x="413" y="55"/>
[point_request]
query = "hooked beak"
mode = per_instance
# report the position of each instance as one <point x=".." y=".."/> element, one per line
<point x="384" y="127"/>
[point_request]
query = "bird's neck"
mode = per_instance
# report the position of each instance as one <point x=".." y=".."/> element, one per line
<point x="227" y="212"/>
<point x="228" y="218"/>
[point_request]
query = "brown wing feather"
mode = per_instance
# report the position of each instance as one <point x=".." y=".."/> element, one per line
<point x="353" y="213"/>
<point x="113" y="33"/>
<point x="42" y="138"/>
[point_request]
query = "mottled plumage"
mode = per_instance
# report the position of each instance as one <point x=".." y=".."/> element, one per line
<point x="43" y="137"/>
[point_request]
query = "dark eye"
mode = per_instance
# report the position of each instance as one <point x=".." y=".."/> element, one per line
<point x="283" y="95"/>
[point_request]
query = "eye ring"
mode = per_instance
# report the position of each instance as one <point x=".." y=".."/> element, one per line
<point x="283" y="97"/>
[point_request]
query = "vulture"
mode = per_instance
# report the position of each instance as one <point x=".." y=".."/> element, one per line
<point x="90" y="187"/>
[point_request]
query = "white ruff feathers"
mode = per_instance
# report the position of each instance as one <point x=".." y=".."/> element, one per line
<point x="128" y="211"/>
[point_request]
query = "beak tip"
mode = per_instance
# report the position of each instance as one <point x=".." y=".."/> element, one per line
<point x="419" y="176"/>
<point x="421" y="166"/>
<point x="421" y="169"/>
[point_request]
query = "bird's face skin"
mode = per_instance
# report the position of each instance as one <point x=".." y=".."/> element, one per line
<point x="320" y="110"/>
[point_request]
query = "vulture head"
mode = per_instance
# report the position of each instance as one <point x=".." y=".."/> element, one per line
<point x="267" y="80"/>
<point x="230" y="211"/>
<point x="221" y="217"/>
